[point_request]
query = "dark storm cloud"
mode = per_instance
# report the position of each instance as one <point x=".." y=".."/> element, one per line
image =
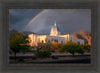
<point x="68" y="20"/>
<point x="18" y="18"/>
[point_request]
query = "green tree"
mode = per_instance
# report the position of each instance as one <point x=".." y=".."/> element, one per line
<point x="79" y="49"/>
<point x="68" y="48"/>
<point x="18" y="43"/>
<point x="64" y="48"/>
<point x="71" y="47"/>
<point x="48" y="47"/>
<point x="86" y="47"/>
<point x="24" y="48"/>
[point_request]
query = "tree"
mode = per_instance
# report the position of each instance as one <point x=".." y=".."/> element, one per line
<point x="63" y="48"/>
<point x="86" y="47"/>
<point x="24" y="48"/>
<point x="68" y="48"/>
<point x="72" y="51"/>
<point x="18" y="43"/>
<point x="79" y="49"/>
<point x="71" y="47"/>
<point x="49" y="47"/>
<point x="55" y="45"/>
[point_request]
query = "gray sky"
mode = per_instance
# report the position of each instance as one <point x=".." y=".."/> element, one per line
<point x="42" y="20"/>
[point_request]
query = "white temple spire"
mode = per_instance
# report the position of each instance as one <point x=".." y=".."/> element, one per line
<point x="55" y="23"/>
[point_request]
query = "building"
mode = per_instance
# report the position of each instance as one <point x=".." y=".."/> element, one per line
<point x="55" y="36"/>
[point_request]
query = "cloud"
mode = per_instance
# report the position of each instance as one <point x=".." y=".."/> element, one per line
<point x="68" y="20"/>
<point x="18" y="18"/>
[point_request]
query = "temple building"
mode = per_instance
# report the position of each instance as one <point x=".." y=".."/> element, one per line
<point x="55" y="36"/>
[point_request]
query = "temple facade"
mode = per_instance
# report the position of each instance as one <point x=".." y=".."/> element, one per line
<point x="55" y="36"/>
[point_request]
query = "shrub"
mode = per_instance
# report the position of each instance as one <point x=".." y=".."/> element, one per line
<point x="63" y="48"/>
<point x="55" y="45"/>
<point x="86" y="47"/>
<point x="48" y="47"/>
<point x="71" y="48"/>
<point x="43" y="54"/>
<point x="80" y="51"/>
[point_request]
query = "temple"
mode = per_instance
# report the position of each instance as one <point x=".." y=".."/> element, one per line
<point x="55" y="36"/>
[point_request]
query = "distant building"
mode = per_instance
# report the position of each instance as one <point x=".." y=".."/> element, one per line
<point x="54" y="36"/>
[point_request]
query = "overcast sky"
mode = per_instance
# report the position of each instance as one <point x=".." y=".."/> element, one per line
<point x="42" y="20"/>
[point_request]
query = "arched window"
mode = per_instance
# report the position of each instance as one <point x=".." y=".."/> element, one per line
<point x="42" y="41"/>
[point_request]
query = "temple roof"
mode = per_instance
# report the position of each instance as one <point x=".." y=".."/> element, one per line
<point x="55" y="27"/>
<point x="54" y="30"/>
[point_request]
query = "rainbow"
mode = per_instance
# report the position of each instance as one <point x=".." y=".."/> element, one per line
<point x="34" y="18"/>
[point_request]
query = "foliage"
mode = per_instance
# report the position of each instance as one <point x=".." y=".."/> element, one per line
<point x="56" y="45"/>
<point x="72" y="48"/>
<point x="40" y="47"/>
<point x="86" y="47"/>
<point x="64" y="48"/>
<point x="67" y="48"/>
<point x="48" y="47"/>
<point x="70" y="43"/>
<point x="79" y="49"/>
<point x="43" y="54"/>
<point x="18" y="43"/>
<point x="25" y="48"/>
